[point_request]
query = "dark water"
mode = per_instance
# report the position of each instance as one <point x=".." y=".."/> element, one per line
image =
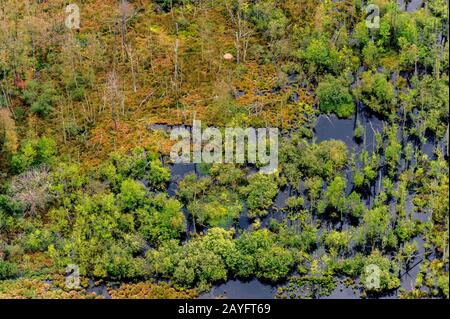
<point x="412" y="5"/>
<point x="330" y="127"/>
<point x="428" y="148"/>
<point x="343" y="292"/>
<point x="333" y="128"/>
<point x="281" y="198"/>
<point x="99" y="290"/>
<point x="326" y="128"/>
<point x="177" y="172"/>
<point x="408" y="273"/>
<point x="244" y="223"/>
<point x="237" y="289"/>
<point x="276" y="212"/>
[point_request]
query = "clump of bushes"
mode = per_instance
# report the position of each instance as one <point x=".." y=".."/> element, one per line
<point x="33" y="153"/>
<point x="334" y="97"/>
<point x="7" y="270"/>
<point x="41" y="97"/>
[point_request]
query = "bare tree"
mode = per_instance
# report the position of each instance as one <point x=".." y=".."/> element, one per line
<point x="115" y="95"/>
<point x="176" y="68"/>
<point x="242" y="29"/>
<point x="32" y="190"/>
<point x="126" y="11"/>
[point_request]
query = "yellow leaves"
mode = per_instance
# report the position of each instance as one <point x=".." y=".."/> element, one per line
<point x="52" y="252"/>
<point x="257" y="77"/>
<point x="390" y="62"/>
<point x="37" y="262"/>
<point x="381" y="3"/>
<point x="104" y="139"/>
<point x="154" y="28"/>
<point x="298" y="114"/>
<point x="176" y="221"/>
<point x="315" y="267"/>
<point x="436" y="265"/>
<point x="319" y="17"/>
<point x="9" y="135"/>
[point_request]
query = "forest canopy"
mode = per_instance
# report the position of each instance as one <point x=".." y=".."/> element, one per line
<point x="85" y="174"/>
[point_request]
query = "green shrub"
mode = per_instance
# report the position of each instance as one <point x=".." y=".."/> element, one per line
<point x="274" y="264"/>
<point x="260" y="193"/>
<point x="163" y="221"/>
<point x="139" y="164"/>
<point x="37" y="240"/>
<point x="132" y="194"/>
<point x="334" y="97"/>
<point x="33" y="153"/>
<point x="7" y="270"/>
<point x="41" y="97"/>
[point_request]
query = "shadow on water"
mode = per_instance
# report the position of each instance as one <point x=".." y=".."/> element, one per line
<point x="409" y="272"/>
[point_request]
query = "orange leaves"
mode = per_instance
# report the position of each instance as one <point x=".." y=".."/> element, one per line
<point x="148" y="290"/>
<point x="34" y="288"/>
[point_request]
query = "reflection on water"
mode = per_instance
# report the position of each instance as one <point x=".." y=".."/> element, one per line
<point x="331" y="127"/>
